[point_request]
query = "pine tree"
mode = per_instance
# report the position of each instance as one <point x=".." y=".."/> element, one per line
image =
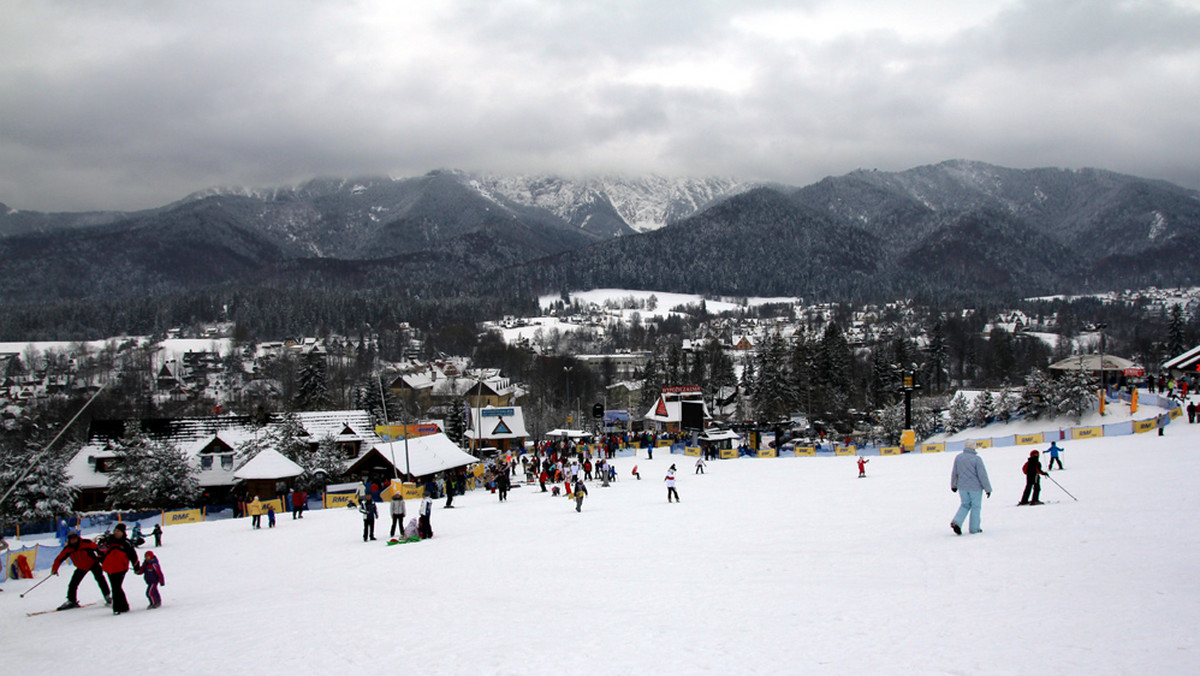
<point x="45" y="493"/>
<point x="958" y="416"/>
<point x="1038" y="396"/>
<point x="1075" y="393"/>
<point x="291" y="440"/>
<point x="150" y="474"/>
<point x="983" y="409"/>
<point x="456" y="423"/>
<point x="327" y="460"/>
<point x="937" y="359"/>
<point x="833" y="370"/>
<point x="774" y="395"/>
<point x="1175" y="332"/>
<point x="312" y="387"/>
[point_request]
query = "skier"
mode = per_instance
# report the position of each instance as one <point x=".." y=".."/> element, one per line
<point x="367" y="509"/>
<point x="157" y="533"/>
<point x="152" y="573"/>
<point x="971" y="477"/>
<point x="1033" y="480"/>
<point x="398" y="514"/>
<point x="670" y="479"/>
<point x="700" y="465"/>
<point x="137" y="539"/>
<point x="580" y="491"/>
<point x="862" y="466"/>
<point x="118" y="556"/>
<point x="424" y="527"/>
<point x="270" y="516"/>
<point x="299" y="502"/>
<point x="635" y="473"/>
<point x="1054" y="450"/>
<point x="86" y="557"/>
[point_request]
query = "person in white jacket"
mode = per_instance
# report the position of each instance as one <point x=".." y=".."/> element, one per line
<point x="970" y="480"/>
<point x="670" y="479"/>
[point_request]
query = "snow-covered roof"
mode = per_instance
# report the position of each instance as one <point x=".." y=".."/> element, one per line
<point x="568" y="434"/>
<point x="429" y="454"/>
<point x="720" y="435"/>
<point x="1093" y="362"/>
<point x="491" y="422"/>
<point x="1185" y="360"/>
<point x="269" y="464"/>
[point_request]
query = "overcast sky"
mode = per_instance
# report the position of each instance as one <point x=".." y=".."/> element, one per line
<point x="125" y="105"/>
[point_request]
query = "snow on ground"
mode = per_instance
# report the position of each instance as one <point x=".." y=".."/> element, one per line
<point x="666" y="300"/>
<point x="768" y="566"/>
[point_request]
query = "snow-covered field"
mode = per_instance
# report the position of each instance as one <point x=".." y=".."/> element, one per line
<point x="767" y="566"/>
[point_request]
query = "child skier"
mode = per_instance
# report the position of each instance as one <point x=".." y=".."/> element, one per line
<point x="152" y="572"/>
<point x="862" y="466"/>
<point x="580" y="491"/>
<point x="270" y="516"/>
<point x="157" y="533"/>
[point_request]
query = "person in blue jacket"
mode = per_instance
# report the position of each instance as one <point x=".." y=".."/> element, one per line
<point x="1054" y="451"/>
<point x="970" y="480"/>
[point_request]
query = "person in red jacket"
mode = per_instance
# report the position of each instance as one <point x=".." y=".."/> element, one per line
<point x="85" y="556"/>
<point x="152" y="572"/>
<point x="118" y="556"/>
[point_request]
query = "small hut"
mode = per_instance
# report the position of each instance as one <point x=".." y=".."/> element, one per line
<point x="265" y="472"/>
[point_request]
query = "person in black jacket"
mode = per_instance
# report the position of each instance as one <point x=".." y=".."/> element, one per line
<point x="369" y="515"/>
<point x="117" y="557"/>
<point x="1033" y="480"/>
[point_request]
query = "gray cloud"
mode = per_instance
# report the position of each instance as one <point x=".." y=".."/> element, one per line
<point x="133" y="104"/>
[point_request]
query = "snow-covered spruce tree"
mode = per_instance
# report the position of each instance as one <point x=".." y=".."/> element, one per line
<point x="891" y="422"/>
<point x="773" y="392"/>
<point x="924" y="421"/>
<point x="327" y="459"/>
<point x="1038" y="397"/>
<point x="983" y="409"/>
<point x="367" y="398"/>
<point x="45" y="493"/>
<point x="1075" y="394"/>
<point x="312" y="386"/>
<point x="456" y="423"/>
<point x="251" y="447"/>
<point x="958" y="416"/>
<point x="150" y="474"/>
<point x="291" y="439"/>
<point x="1008" y="404"/>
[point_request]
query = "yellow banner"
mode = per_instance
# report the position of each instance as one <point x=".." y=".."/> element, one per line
<point x="1176" y="412"/>
<point x="1087" y="432"/>
<point x="844" y="450"/>
<point x="277" y="503"/>
<point x="1030" y="439"/>
<point x="806" y="450"/>
<point x="182" y="516"/>
<point x="933" y="448"/>
<point x="889" y="450"/>
<point x="728" y="453"/>
<point x="663" y="442"/>
<point x="30" y="557"/>
<point x="338" y="499"/>
<point x="767" y="453"/>
<point x="693" y="451"/>
<point x="1140" y="426"/>
<point x="983" y="443"/>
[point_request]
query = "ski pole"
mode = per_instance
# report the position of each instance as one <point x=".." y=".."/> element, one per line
<point x="35" y="586"/>
<point x="1063" y="489"/>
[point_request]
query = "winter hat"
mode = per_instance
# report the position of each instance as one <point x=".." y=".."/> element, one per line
<point x="1033" y="454"/>
<point x="150" y="556"/>
<point x="672" y="466"/>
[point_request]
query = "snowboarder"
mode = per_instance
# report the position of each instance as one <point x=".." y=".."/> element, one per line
<point x="1033" y="480"/>
<point x="580" y="491"/>
<point x="85" y="555"/>
<point x="152" y="573"/>
<point x="700" y="465"/>
<point x="157" y="533"/>
<point x="670" y="479"/>
<point x="398" y="514"/>
<point x="862" y="466"/>
<point x="370" y="513"/>
<point x="635" y="473"/>
<point x="424" y="527"/>
<point x="1054" y="450"/>
<point x="970" y="480"/>
<point x="117" y="558"/>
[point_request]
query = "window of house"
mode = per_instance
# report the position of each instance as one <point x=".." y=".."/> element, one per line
<point x="206" y="462"/>
<point x="227" y="462"/>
